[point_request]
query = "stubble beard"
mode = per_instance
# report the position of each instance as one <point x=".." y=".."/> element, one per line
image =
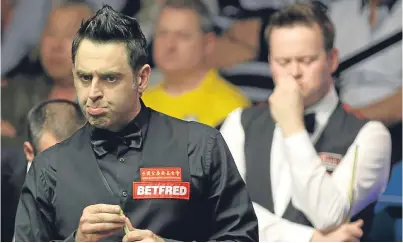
<point x="98" y="122"/>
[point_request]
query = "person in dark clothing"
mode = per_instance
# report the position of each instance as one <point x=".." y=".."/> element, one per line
<point x="131" y="173"/>
<point x="48" y="123"/>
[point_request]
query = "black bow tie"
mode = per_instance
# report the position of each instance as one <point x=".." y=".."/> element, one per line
<point x="309" y="121"/>
<point x="105" y="141"/>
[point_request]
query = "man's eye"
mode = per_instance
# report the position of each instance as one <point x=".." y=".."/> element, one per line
<point x="283" y="62"/>
<point x="307" y="60"/>
<point x="110" y="79"/>
<point x="85" y="78"/>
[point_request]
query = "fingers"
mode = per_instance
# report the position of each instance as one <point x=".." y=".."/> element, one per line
<point x="101" y="228"/>
<point x="359" y="223"/>
<point x="129" y="224"/>
<point x="139" y="235"/>
<point x="102" y="235"/>
<point x="130" y="237"/>
<point x="354" y="231"/>
<point x="104" y="218"/>
<point x="99" y="221"/>
<point x="103" y="208"/>
<point x="352" y="239"/>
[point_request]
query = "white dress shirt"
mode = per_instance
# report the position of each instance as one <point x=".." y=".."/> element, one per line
<point x="297" y="173"/>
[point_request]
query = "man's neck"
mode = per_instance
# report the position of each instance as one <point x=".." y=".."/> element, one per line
<point x="131" y="116"/>
<point x="179" y="83"/>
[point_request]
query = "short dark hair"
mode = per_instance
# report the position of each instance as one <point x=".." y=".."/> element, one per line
<point x="307" y="14"/>
<point x="197" y="6"/>
<point x="107" y="25"/>
<point x="62" y="118"/>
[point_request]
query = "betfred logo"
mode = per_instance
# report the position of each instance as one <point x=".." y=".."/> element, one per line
<point x="161" y="190"/>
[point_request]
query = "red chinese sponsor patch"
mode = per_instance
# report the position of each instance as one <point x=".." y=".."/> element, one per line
<point x="159" y="190"/>
<point x="161" y="174"/>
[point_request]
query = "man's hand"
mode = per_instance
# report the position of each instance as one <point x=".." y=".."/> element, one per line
<point x="99" y="221"/>
<point x="287" y="105"/>
<point x="140" y="235"/>
<point x="7" y="130"/>
<point x="350" y="232"/>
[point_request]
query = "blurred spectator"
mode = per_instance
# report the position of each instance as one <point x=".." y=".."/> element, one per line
<point x="372" y="87"/>
<point x="25" y="25"/>
<point x="7" y="9"/>
<point x="190" y="90"/>
<point x="22" y="92"/>
<point x="49" y="123"/>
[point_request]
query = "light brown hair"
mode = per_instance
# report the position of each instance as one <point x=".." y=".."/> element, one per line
<point x="308" y="14"/>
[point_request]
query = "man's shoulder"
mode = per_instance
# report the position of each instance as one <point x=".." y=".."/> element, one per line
<point x="60" y="151"/>
<point x="196" y="131"/>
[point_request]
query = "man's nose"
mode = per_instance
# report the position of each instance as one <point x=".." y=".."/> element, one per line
<point x="295" y="70"/>
<point x="95" y="90"/>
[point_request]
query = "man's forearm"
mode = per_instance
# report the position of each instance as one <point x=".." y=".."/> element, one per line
<point x="388" y="111"/>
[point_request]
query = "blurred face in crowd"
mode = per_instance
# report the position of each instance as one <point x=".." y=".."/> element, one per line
<point x="57" y="37"/>
<point x="46" y="140"/>
<point x="107" y="88"/>
<point x="179" y="42"/>
<point x="299" y="50"/>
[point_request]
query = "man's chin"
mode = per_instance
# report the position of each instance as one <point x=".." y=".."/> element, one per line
<point x="98" y="122"/>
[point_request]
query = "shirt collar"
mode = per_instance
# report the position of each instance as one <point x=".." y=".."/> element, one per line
<point x="325" y="107"/>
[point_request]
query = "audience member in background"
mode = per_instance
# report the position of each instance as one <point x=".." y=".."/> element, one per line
<point x="300" y="178"/>
<point x="372" y="87"/>
<point x="20" y="38"/>
<point x="23" y="92"/>
<point x="190" y="90"/>
<point x="49" y="122"/>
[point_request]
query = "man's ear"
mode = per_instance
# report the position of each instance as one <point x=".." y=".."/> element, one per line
<point x="333" y="60"/>
<point x="29" y="151"/>
<point x="143" y="78"/>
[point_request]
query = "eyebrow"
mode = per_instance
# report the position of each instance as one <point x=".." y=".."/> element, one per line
<point x="297" y="57"/>
<point x="102" y="74"/>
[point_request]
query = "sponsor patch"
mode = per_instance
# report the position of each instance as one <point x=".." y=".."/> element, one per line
<point x="161" y="174"/>
<point x="159" y="190"/>
<point x="330" y="160"/>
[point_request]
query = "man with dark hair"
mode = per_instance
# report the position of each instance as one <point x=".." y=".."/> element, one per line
<point x="49" y="123"/>
<point x="131" y="168"/>
<point x="309" y="165"/>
